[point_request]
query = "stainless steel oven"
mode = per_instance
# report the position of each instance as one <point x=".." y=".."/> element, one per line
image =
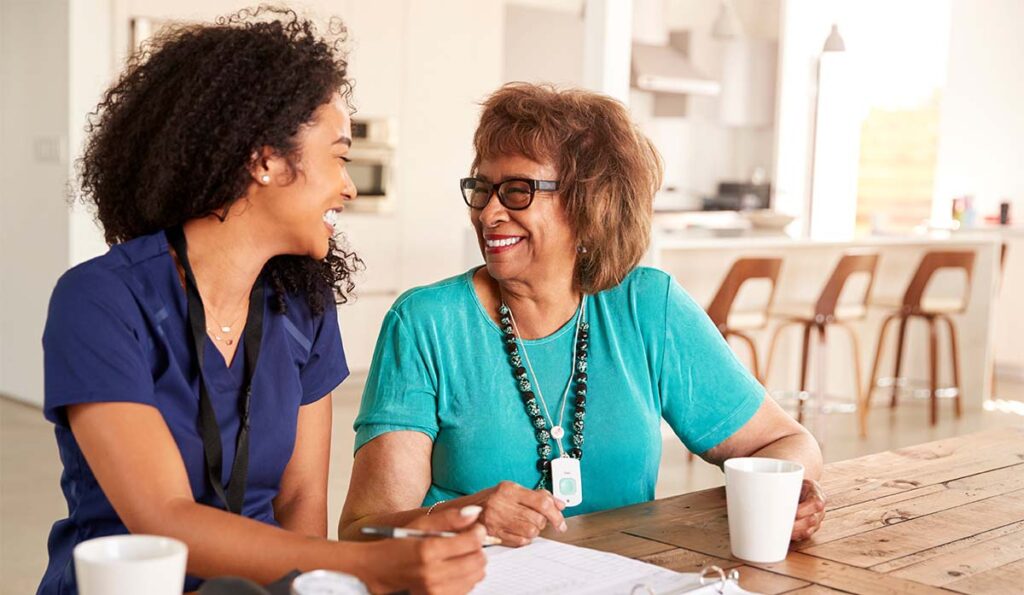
<point x="372" y="165"/>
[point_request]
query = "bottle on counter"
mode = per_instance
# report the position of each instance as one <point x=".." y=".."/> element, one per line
<point x="958" y="209"/>
<point x="970" y="213"/>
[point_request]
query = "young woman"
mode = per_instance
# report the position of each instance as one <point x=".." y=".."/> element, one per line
<point x="189" y="369"/>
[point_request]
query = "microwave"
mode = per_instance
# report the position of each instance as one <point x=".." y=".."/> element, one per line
<point x="372" y="164"/>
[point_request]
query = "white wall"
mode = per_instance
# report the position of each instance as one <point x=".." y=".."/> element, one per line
<point x="981" y="128"/>
<point x="91" y="62"/>
<point x="34" y="241"/>
<point x="543" y="45"/>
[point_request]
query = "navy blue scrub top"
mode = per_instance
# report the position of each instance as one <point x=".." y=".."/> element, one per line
<point x="117" y="331"/>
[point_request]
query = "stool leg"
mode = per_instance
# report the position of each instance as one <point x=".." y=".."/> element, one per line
<point x="855" y="346"/>
<point x="804" y="354"/>
<point x="771" y="347"/>
<point x="900" y="338"/>
<point x="866" y="398"/>
<point x="933" y="369"/>
<point x="953" y="351"/>
<point x="753" y="354"/>
<point x="821" y="367"/>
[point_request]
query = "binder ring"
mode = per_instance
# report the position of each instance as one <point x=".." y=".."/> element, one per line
<point x="721" y="575"/>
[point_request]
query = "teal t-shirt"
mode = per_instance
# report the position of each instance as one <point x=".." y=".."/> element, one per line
<point x="440" y="368"/>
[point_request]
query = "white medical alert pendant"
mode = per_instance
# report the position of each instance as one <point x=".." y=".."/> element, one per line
<point x="566" y="481"/>
<point x="557" y="432"/>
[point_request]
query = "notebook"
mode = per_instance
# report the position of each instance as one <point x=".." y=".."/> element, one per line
<point x="552" y="567"/>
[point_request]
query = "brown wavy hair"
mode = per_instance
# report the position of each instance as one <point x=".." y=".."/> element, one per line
<point x="608" y="171"/>
<point x="173" y="138"/>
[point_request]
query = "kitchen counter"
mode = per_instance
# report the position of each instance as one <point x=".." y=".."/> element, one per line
<point x="663" y="240"/>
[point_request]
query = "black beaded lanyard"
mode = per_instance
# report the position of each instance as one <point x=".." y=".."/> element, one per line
<point x="233" y="494"/>
<point x="543" y="435"/>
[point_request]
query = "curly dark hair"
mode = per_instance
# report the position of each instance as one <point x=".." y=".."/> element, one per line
<point x="173" y="138"/>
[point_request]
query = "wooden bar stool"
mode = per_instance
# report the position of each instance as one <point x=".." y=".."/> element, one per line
<point x="915" y="304"/>
<point x="827" y="310"/>
<point x="739" y="323"/>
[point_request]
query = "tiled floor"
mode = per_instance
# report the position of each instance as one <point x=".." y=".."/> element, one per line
<point x="30" y="498"/>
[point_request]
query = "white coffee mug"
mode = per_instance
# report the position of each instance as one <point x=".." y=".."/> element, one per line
<point x="130" y="564"/>
<point x="762" y="496"/>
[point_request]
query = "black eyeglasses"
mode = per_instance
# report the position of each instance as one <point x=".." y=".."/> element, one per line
<point x="514" y="193"/>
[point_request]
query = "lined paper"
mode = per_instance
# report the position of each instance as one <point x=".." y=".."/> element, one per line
<point x="550" y="567"/>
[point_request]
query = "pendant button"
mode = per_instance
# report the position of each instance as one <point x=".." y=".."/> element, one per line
<point x="557" y="432"/>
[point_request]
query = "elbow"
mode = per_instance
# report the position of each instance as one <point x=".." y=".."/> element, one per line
<point x="163" y="518"/>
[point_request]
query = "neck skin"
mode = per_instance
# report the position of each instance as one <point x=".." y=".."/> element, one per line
<point x="226" y="258"/>
<point x="540" y="309"/>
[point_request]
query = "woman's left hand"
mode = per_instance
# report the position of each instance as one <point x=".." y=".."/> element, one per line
<point x="811" y="511"/>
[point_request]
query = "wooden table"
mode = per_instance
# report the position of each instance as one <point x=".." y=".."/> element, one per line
<point x="942" y="517"/>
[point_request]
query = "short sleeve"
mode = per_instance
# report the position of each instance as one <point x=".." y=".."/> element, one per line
<point x="94" y="344"/>
<point x="326" y="367"/>
<point x="400" y="392"/>
<point x="707" y="394"/>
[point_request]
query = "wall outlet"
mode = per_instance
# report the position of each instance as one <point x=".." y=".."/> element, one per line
<point x="49" y="149"/>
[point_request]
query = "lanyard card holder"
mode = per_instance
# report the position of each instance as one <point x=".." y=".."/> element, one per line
<point x="713" y="581"/>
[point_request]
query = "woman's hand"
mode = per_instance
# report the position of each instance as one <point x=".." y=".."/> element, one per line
<point x="811" y="511"/>
<point x="516" y="515"/>
<point x="434" y="565"/>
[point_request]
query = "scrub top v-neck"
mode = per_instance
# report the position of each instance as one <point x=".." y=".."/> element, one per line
<point x="117" y="331"/>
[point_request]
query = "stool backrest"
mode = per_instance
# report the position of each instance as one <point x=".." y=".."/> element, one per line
<point x="743" y="270"/>
<point x="848" y="265"/>
<point x="930" y="264"/>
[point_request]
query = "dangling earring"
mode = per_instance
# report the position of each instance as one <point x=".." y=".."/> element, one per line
<point x="265" y="179"/>
<point x="581" y="249"/>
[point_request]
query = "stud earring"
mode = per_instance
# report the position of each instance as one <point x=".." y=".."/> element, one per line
<point x="265" y="179"/>
<point x="580" y="248"/>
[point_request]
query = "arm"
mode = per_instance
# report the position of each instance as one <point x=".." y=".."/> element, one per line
<point x="392" y="473"/>
<point x="301" y="502"/>
<point x="136" y="461"/>
<point x="390" y="476"/>
<point x="773" y="433"/>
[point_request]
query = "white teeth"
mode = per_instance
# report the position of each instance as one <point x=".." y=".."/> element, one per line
<point x="501" y="243"/>
<point x="331" y="218"/>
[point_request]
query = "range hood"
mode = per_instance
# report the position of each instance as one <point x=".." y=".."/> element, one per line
<point x="665" y="69"/>
<point x="661" y="58"/>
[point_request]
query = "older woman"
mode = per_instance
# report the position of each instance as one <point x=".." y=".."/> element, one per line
<point x="560" y="354"/>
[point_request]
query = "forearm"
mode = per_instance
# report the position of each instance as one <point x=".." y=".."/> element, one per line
<point x="221" y="543"/>
<point x="799" y="447"/>
<point x="350" y="527"/>
<point x="351" y="524"/>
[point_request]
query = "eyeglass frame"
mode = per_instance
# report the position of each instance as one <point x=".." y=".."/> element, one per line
<point x="535" y="187"/>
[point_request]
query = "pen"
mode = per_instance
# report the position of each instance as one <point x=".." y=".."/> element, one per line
<point x="402" y="532"/>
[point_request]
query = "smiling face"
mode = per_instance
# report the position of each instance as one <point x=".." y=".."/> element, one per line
<point x="302" y="211"/>
<point x="531" y="245"/>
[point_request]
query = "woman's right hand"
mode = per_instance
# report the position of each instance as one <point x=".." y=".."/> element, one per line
<point x="516" y="514"/>
<point x="433" y="565"/>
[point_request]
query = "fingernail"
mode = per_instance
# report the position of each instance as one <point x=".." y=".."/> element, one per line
<point x="471" y="511"/>
<point x="563" y="527"/>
